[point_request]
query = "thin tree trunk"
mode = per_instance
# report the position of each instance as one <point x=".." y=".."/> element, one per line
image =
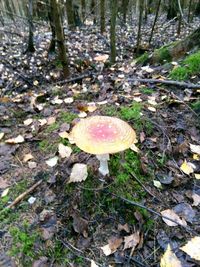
<point x="103" y="22"/>
<point x="70" y="14"/>
<point x="60" y="38"/>
<point x="125" y="9"/>
<point x="141" y="7"/>
<point x="179" y="24"/>
<point x="52" y="46"/>
<point x="83" y="8"/>
<point x="113" y="31"/>
<point x="93" y="10"/>
<point x="30" y="47"/>
<point x="197" y="9"/>
<point x="155" y="20"/>
<point x="189" y="12"/>
<point x="172" y="9"/>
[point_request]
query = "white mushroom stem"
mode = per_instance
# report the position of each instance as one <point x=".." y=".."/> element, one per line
<point x="103" y="168"/>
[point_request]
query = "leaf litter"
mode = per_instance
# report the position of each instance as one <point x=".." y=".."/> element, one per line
<point x="76" y="204"/>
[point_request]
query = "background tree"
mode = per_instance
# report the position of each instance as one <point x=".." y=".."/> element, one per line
<point x="125" y="4"/>
<point x="113" y="11"/>
<point x="30" y="47"/>
<point x="141" y="8"/>
<point x="70" y="14"/>
<point x="102" y="11"/>
<point x="172" y="9"/>
<point x="60" y="37"/>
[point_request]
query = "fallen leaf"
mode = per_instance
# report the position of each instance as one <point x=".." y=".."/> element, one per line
<point x="93" y="264"/>
<point x="42" y="122"/>
<point x="91" y="108"/>
<point x="64" y="151"/>
<point x="123" y="227"/>
<point x="152" y="109"/>
<point x="64" y="135"/>
<point x="5" y="192"/>
<point x="16" y="140"/>
<point x="172" y="215"/>
<point x="169" y="259"/>
<point x="195" y="149"/>
<point x="187" y="167"/>
<point x="27" y="157"/>
<point x="52" y="162"/>
<point x="197" y="176"/>
<point x="196" y="199"/>
<point x="101" y="58"/>
<point x="3" y="183"/>
<point x="82" y="114"/>
<point x="192" y="248"/>
<point x="68" y="100"/>
<point x="28" y="122"/>
<point x="131" y="241"/>
<point x="134" y="148"/>
<point x="113" y="244"/>
<point x="80" y="225"/>
<point x="32" y="164"/>
<point x="1" y="135"/>
<point x="79" y="173"/>
<point x="157" y="184"/>
<point x="51" y="120"/>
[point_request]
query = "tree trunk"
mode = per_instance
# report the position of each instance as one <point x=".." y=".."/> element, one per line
<point x="83" y="8"/>
<point x="52" y="46"/>
<point x="177" y="49"/>
<point x="60" y="38"/>
<point x="189" y="11"/>
<point x="70" y="14"/>
<point x="197" y="9"/>
<point x="172" y="9"/>
<point x="141" y="7"/>
<point x="103" y="22"/>
<point x="112" y="31"/>
<point x="124" y="9"/>
<point x="154" y="23"/>
<point x="92" y="10"/>
<point x="30" y="47"/>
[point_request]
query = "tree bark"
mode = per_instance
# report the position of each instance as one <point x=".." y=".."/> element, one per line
<point x="155" y="20"/>
<point x="113" y="31"/>
<point x="70" y="14"/>
<point x="60" y="38"/>
<point x="93" y="10"/>
<point x="83" y="8"/>
<point x="197" y="9"/>
<point x="172" y="9"/>
<point x="52" y="46"/>
<point x="177" y="49"/>
<point x="125" y="9"/>
<point x="30" y="47"/>
<point x="102" y="11"/>
<point x="141" y="8"/>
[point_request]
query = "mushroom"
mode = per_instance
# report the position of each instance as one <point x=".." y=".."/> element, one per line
<point x="101" y="136"/>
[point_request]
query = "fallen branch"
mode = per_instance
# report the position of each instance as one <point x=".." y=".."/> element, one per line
<point x="169" y="82"/>
<point x="22" y="196"/>
<point x="75" y="79"/>
<point x="153" y="211"/>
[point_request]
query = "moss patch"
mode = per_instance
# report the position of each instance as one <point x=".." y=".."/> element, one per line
<point x="189" y="66"/>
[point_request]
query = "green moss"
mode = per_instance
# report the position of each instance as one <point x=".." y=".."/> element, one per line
<point x="147" y="91"/>
<point x="163" y="54"/>
<point x="53" y="127"/>
<point x="189" y="66"/>
<point x="48" y="146"/>
<point x="110" y="110"/>
<point x="196" y="106"/>
<point x="142" y="59"/>
<point x="67" y="116"/>
<point x="132" y="112"/>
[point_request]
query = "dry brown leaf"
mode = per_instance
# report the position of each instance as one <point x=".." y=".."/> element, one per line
<point x="112" y="246"/>
<point x="132" y="241"/>
<point x="187" y="167"/>
<point x="3" y="183"/>
<point x="15" y="140"/>
<point x="169" y="259"/>
<point x="28" y="122"/>
<point x="123" y="227"/>
<point x="172" y="215"/>
<point x="195" y="149"/>
<point x="101" y="58"/>
<point x="51" y="120"/>
<point x="27" y="157"/>
<point x="42" y="122"/>
<point x="196" y="199"/>
<point x="192" y="248"/>
<point x="1" y="135"/>
<point x="64" y="151"/>
<point x="79" y="173"/>
<point x="32" y="164"/>
<point x="52" y="162"/>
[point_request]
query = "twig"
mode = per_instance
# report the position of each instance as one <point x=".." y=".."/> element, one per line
<point x="141" y="184"/>
<point x="22" y="196"/>
<point x="152" y="211"/>
<point x="76" y="251"/>
<point x="75" y="79"/>
<point x="170" y="82"/>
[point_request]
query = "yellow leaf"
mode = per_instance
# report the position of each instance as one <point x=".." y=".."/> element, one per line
<point x="169" y="259"/>
<point x="195" y="149"/>
<point x="187" y="167"/>
<point x="197" y="176"/>
<point x="1" y="135"/>
<point x="192" y="248"/>
<point x="27" y="157"/>
<point x="196" y="157"/>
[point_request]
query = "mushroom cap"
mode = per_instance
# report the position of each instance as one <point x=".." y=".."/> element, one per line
<point x="102" y="135"/>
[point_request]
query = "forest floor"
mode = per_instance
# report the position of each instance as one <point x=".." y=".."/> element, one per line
<point x="102" y="221"/>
